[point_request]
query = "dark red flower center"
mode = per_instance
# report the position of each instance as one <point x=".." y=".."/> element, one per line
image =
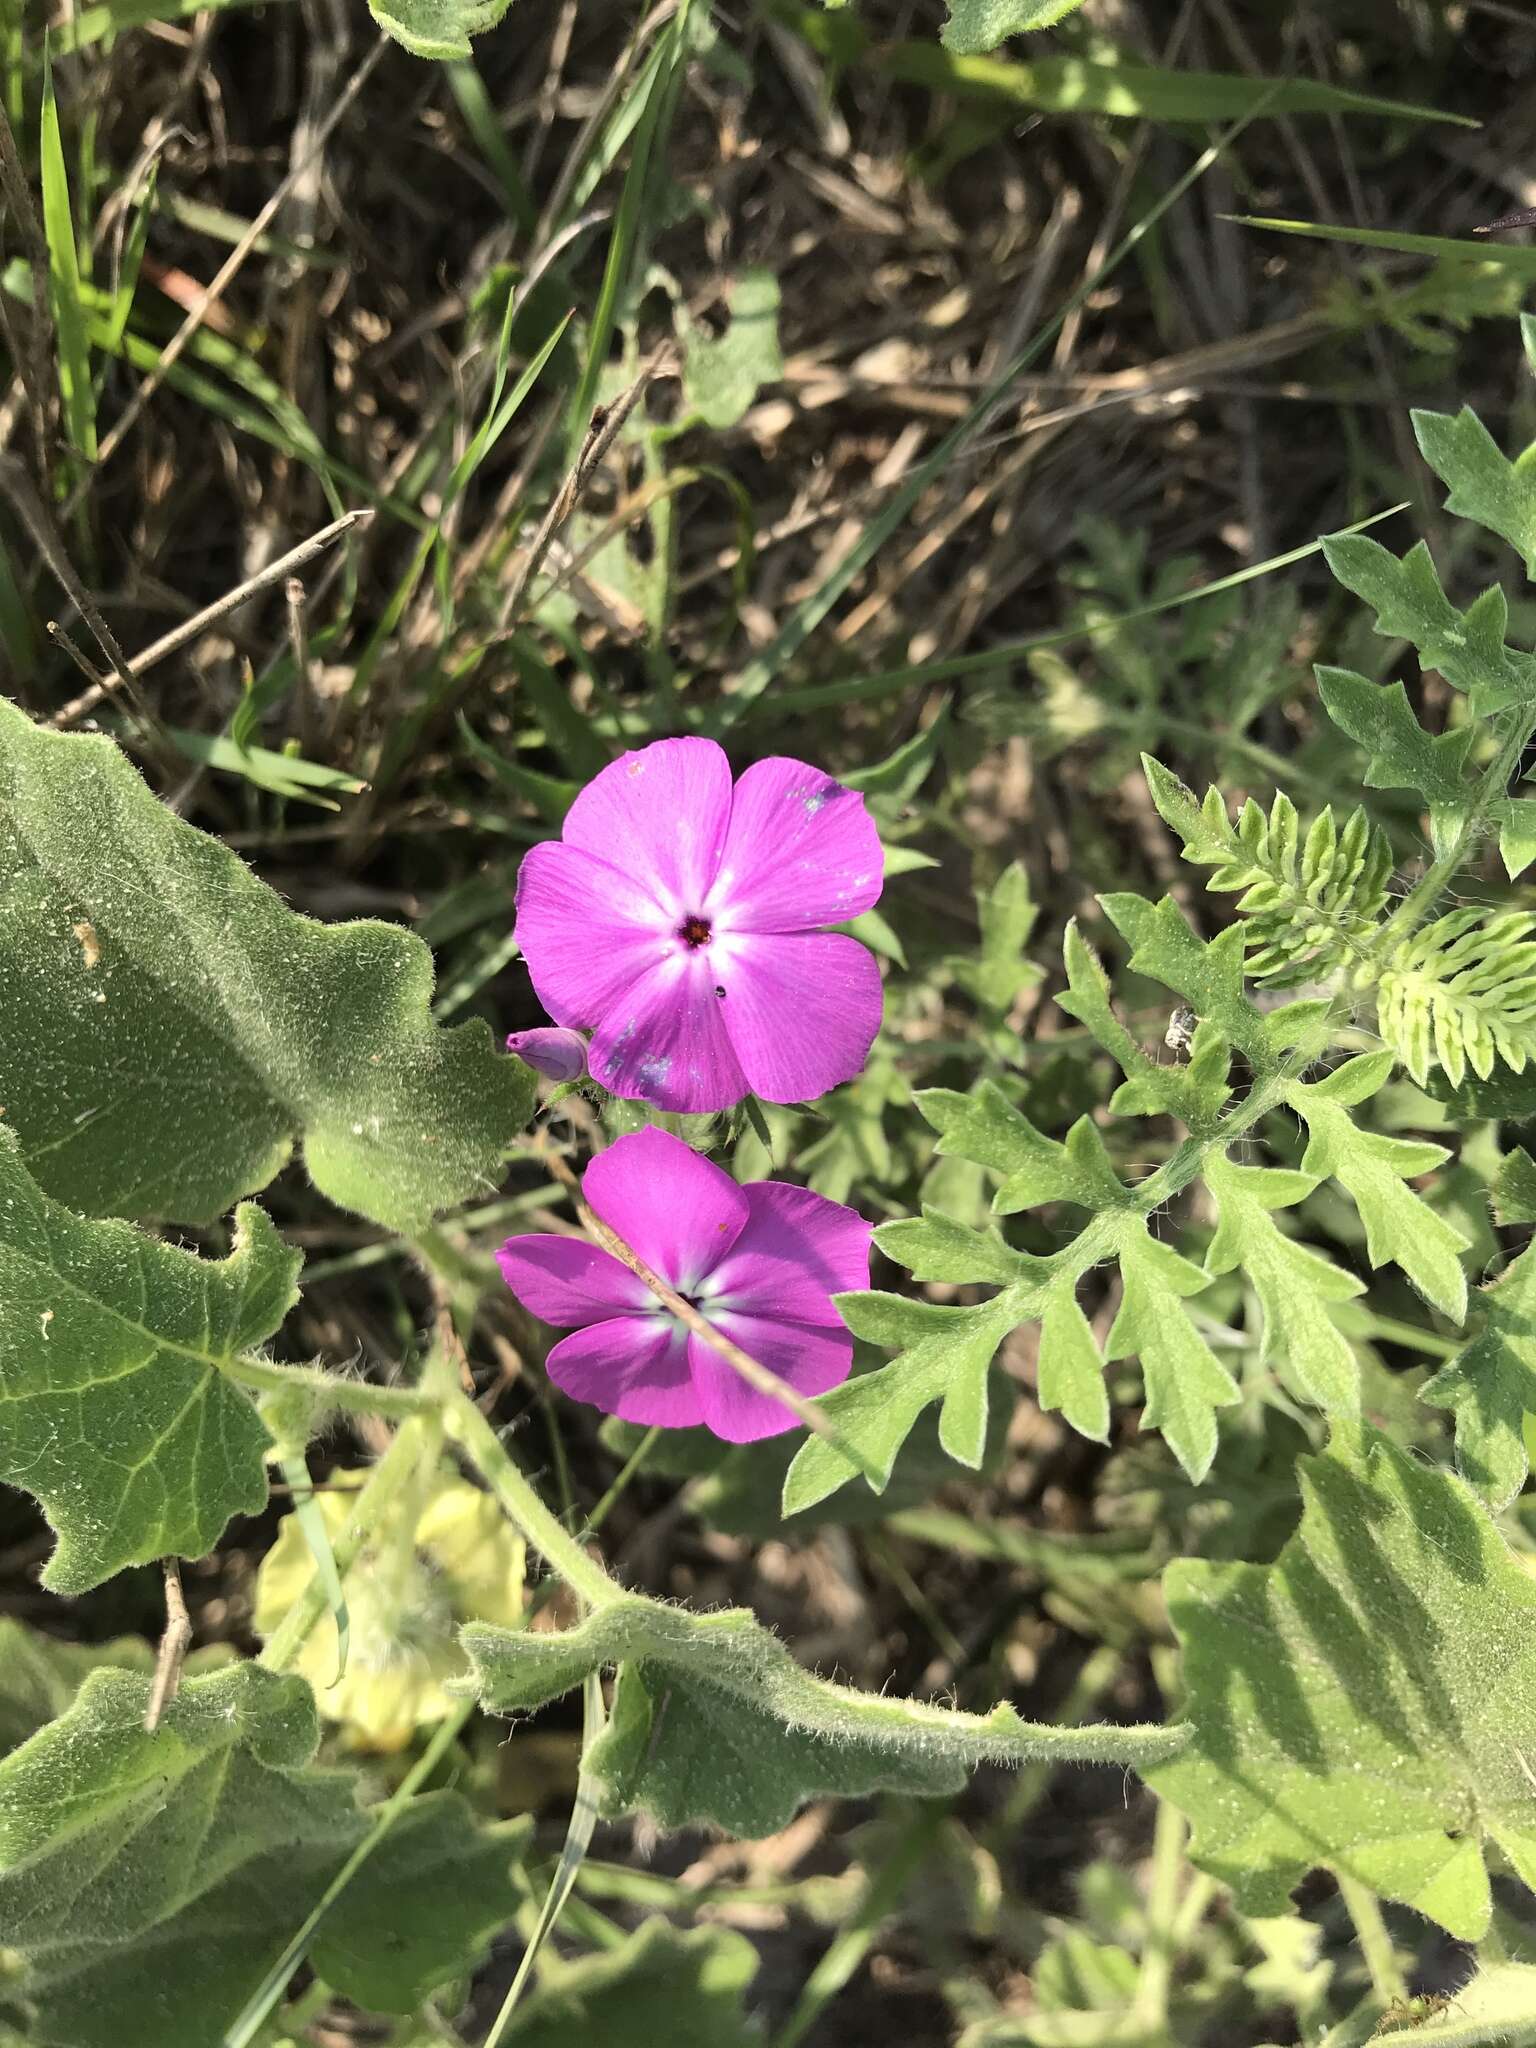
<point x="695" y="932"/>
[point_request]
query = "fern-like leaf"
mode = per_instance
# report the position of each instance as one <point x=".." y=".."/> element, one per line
<point x="1461" y="992"/>
<point x="1309" y="899"/>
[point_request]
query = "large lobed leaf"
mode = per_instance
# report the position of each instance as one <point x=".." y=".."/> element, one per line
<point x="1368" y="1702"/>
<point x="714" y="1721"/>
<point x="169" y="1028"/>
<point x="147" y="1882"/>
<point x="115" y="1407"/>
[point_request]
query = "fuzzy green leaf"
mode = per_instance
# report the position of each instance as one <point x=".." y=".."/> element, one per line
<point x="1400" y="753"/>
<point x="722" y="374"/>
<point x="168" y="1027"/>
<point x="40" y="1675"/>
<point x="1460" y="993"/>
<point x="438" y="29"/>
<point x="656" y="1985"/>
<point x="976" y="27"/>
<point x="943" y="1355"/>
<point x="1514" y="1192"/>
<point x="1390" y="1653"/>
<point x="115" y="1407"/>
<point x="1293" y="1283"/>
<point x="1186" y="1382"/>
<point x="939" y="1247"/>
<point x="985" y="1128"/>
<point x="1467" y="648"/>
<point x="1400" y="1228"/>
<point x="714" y="1721"/>
<point x="1515" y="817"/>
<point x="1207" y="974"/>
<point x="1194" y="1093"/>
<point x="1070" y="1369"/>
<point x="998" y="971"/>
<point x="122" y="1854"/>
<point x="1485" y="485"/>
<point x="1490" y="1386"/>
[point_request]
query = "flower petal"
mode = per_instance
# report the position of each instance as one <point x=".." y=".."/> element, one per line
<point x="583" y="930"/>
<point x="802" y="1010"/>
<point x="797" y="1250"/>
<point x="810" y="1360"/>
<point x="567" y="1282"/>
<point x="636" y="1367"/>
<point x="680" y="1213"/>
<point x="664" y="1040"/>
<point x="661" y="815"/>
<point x="802" y="851"/>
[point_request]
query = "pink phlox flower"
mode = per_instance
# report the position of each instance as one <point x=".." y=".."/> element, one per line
<point x="680" y="921"/>
<point x="761" y="1263"/>
<point x="559" y="1055"/>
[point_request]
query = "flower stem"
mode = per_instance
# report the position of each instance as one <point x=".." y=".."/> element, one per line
<point x="560" y="1549"/>
<point x="1387" y="1980"/>
<point x="360" y="1397"/>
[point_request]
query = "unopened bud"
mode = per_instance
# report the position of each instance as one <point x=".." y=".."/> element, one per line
<point x="560" y="1055"/>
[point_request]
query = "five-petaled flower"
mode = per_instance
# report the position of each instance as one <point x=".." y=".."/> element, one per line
<point x="760" y="1263"/>
<point x="680" y="920"/>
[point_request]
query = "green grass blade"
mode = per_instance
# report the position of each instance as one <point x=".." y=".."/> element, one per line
<point x="77" y="397"/>
<point x="1519" y="262"/>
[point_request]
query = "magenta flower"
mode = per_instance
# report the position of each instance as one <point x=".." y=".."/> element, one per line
<point x="760" y="1262"/>
<point x="678" y="920"/>
<point x="558" y="1055"/>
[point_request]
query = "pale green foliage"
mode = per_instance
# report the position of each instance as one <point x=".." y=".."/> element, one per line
<point x="976" y="26"/>
<point x="170" y="1027"/>
<point x="657" y="1985"/>
<point x="713" y="1720"/>
<point x="1309" y="899"/>
<point x="124" y="1854"/>
<point x="723" y="373"/>
<point x="115" y="1407"/>
<point x="1461" y="992"/>
<point x="1000" y="970"/>
<point x="1391" y="1651"/>
<point x="437" y="28"/>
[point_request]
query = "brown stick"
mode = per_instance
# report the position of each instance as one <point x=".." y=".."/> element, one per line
<point x="756" y="1375"/>
<point x="174" y="1645"/>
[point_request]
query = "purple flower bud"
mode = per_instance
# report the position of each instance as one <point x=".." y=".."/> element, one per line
<point x="561" y="1055"/>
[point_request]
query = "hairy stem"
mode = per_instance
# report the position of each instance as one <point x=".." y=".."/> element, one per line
<point x="1387" y="1980"/>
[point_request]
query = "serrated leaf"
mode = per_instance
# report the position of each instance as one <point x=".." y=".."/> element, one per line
<point x="1400" y="753"/>
<point x="722" y="374"/>
<point x="1294" y="1284"/>
<point x="1185" y="1381"/>
<point x="1467" y="648"/>
<point x="1490" y="1386"/>
<point x="1208" y="974"/>
<point x="1194" y="1093"/>
<point x="169" y="1028"/>
<point x="1484" y="484"/>
<point x="1400" y="1227"/>
<point x="1368" y="1701"/>
<point x="438" y="29"/>
<point x="985" y="1128"/>
<point x="999" y="970"/>
<point x="1070" y="1370"/>
<point x="976" y="27"/>
<point x="714" y="1721"/>
<point x="939" y="1247"/>
<point x="123" y="1854"/>
<point x="685" y="1989"/>
<point x="943" y="1355"/>
<point x="116" y="1406"/>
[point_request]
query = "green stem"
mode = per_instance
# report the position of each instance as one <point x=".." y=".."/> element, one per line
<point x="1152" y="1986"/>
<point x="560" y="1549"/>
<point x="1493" y="786"/>
<point x="420" y="1440"/>
<point x="359" y="1397"/>
<point x="1387" y="1980"/>
<point x="627" y="1471"/>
